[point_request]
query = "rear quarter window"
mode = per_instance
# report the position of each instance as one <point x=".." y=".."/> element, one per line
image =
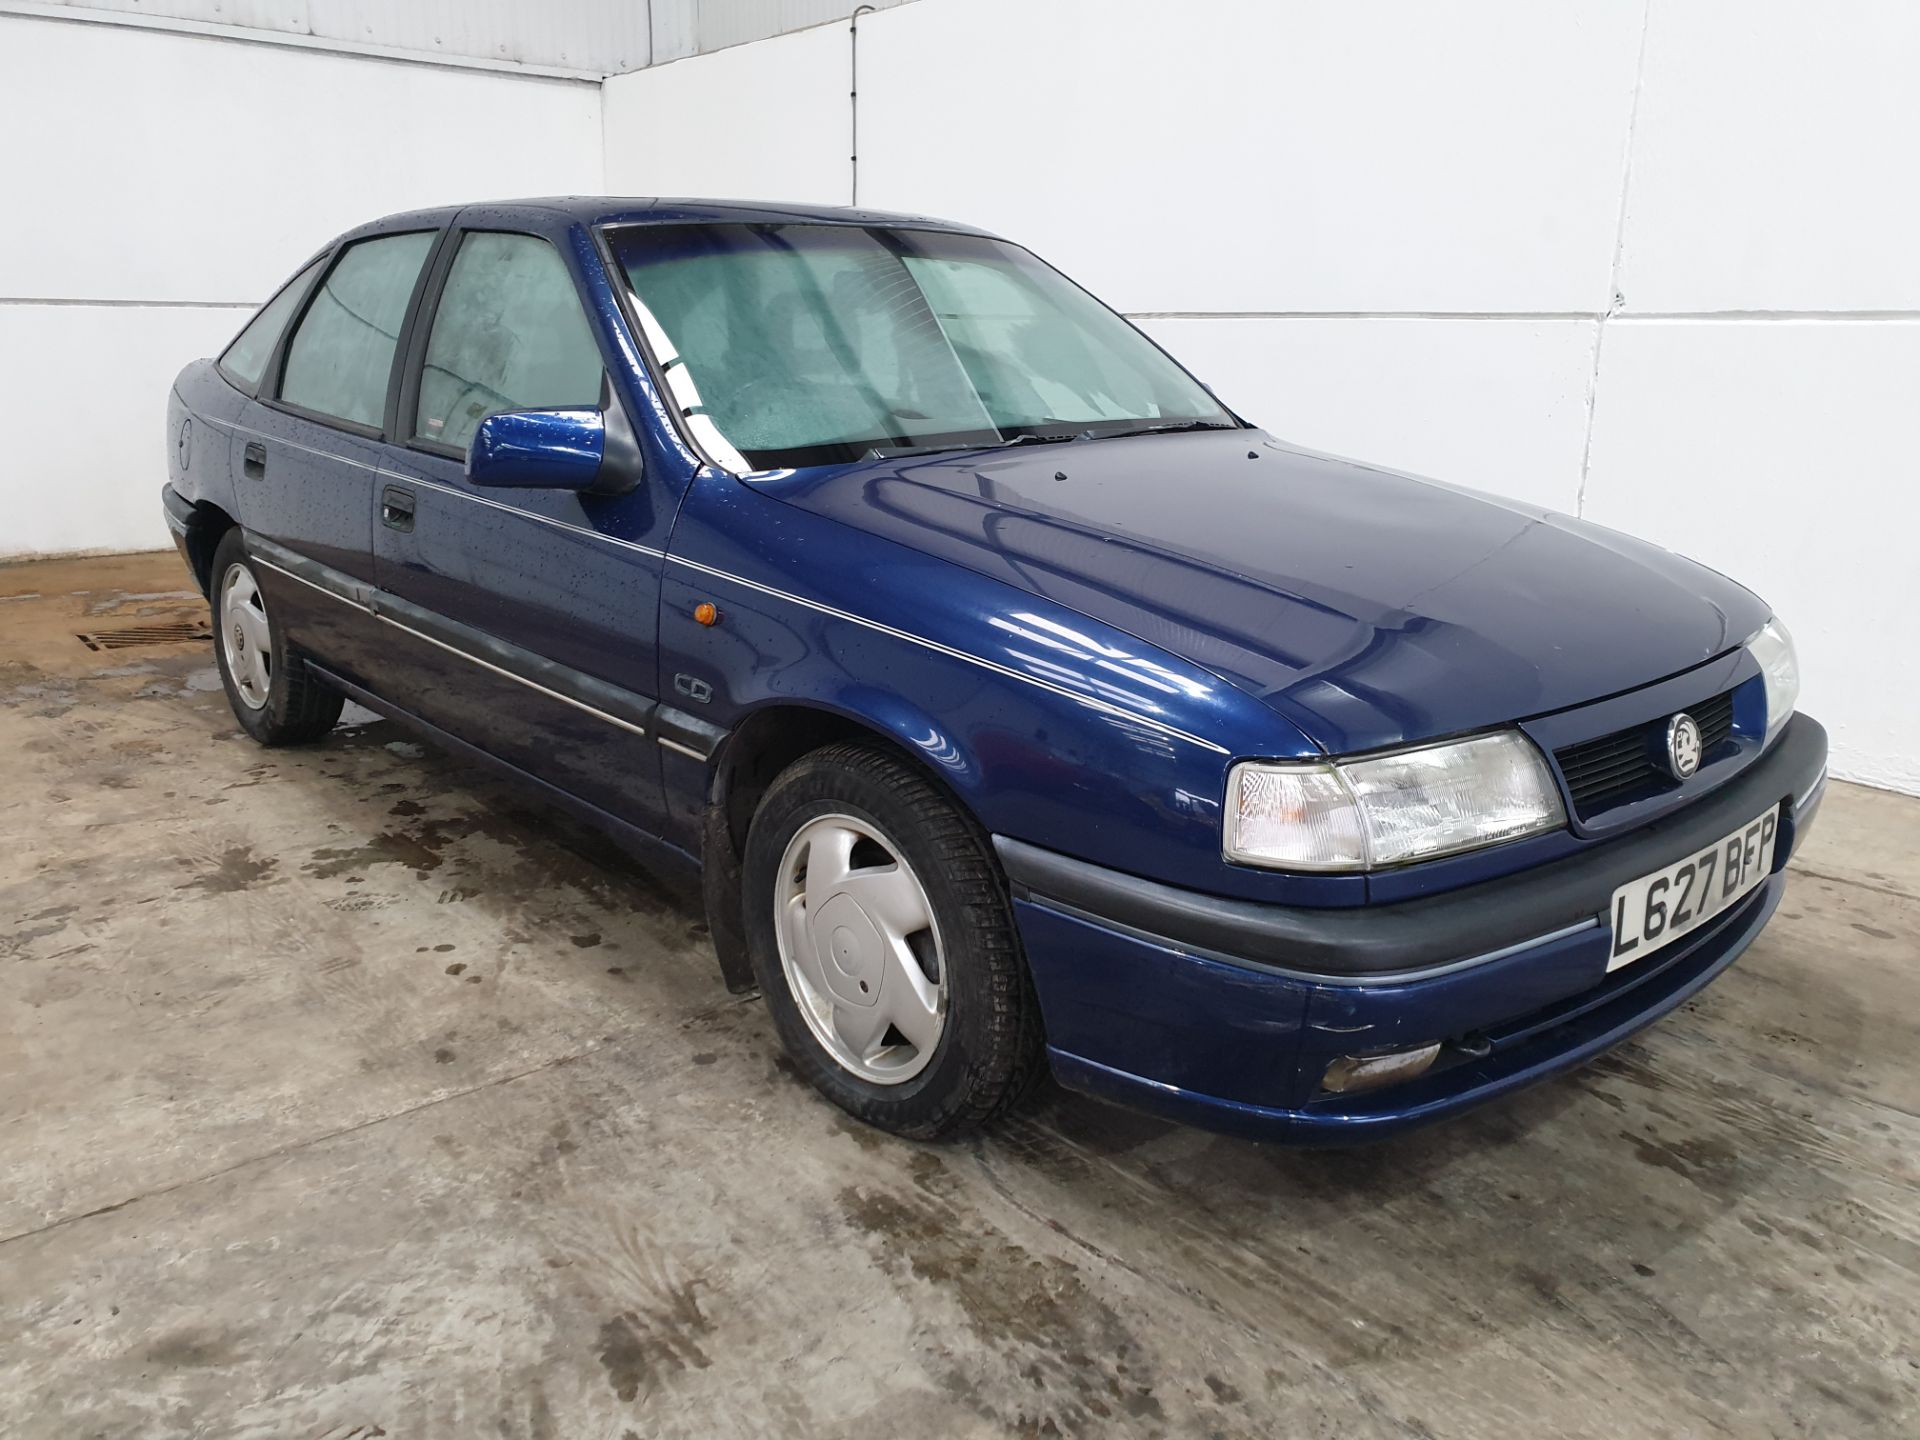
<point x="245" y="360"/>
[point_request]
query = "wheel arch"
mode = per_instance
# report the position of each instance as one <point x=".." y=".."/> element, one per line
<point x="205" y="529"/>
<point x="767" y="740"/>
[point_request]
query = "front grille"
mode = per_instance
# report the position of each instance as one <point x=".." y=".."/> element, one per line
<point x="1631" y="764"/>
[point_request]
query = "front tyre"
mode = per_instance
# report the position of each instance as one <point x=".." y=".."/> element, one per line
<point x="276" y="699"/>
<point x="881" y="934"/>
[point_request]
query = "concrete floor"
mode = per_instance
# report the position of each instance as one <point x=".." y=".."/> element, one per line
<point x="344" y="1092"/>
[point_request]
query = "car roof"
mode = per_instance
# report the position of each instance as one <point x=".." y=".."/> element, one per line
<point x="657" y="210"/>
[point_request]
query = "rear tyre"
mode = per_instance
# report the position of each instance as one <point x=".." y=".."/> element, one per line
<point x="275" y="697"/>
<point x="881" y="934"/>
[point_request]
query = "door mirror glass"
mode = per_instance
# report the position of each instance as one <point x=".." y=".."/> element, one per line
<point x="538" y="450"/>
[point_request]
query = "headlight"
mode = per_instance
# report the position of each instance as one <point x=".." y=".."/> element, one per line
<point x="1780" y="668"/>
<point x="1390" y="809"/>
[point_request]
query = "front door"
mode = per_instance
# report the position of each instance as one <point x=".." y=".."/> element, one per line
<point x="533" y="611"/>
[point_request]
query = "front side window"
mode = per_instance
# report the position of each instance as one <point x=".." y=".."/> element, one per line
<point x="509" y="334"/>
<point x="245" y="359"/>
<point x="341" y="355"/>
<point x="811" y="344"/>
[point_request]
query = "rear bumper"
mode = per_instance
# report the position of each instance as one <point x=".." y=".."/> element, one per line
<point x="179" y="513"/>
<point x="1225" y="1014"/>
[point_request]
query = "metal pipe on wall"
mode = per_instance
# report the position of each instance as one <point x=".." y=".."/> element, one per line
<point x="853" y="102"/>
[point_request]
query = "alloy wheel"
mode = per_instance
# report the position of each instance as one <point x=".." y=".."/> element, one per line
<point x="860" y="949"/>
<point x="245" y="636"/>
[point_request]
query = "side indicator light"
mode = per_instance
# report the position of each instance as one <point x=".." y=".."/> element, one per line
<point x="707" y="613"/>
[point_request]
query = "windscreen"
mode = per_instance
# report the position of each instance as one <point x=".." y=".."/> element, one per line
<point x="812" y="344"/>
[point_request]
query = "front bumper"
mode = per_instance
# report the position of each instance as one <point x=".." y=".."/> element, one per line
<point x="1225" y="1014"/>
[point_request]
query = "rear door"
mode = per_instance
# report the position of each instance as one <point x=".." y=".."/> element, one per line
<point x="534" y="611"/>
<point x="308" y="447"/>
<point x="243" y="365"/>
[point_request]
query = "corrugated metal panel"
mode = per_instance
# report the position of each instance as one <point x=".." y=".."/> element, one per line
<point x="676" y="29"/>
<point x="607" y="36"/>
<point x="600" y="36"/>
<point x="720" y="23"/>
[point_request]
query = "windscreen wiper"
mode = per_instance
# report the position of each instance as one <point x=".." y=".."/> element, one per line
<point x="897" y="452"/>
<point x="1174" y="425"/>
<point x="1029" y="438"/>
<point x="904" y="452"/>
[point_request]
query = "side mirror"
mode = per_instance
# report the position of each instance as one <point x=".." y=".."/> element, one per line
<point x="588" y="450"/>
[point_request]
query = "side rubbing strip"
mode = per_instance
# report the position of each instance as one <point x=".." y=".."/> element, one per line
<point x="507" y="674"/>
<point x="298" y="579"/>
<point x="561" y="682"/>
<point x="686" y="734"/>
<point x="311" y="573"/>
<point x="571" y="687"/>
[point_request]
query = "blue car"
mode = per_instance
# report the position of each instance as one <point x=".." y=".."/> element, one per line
<point x="1020" y="706"/>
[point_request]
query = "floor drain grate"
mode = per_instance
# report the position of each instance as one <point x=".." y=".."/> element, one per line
<point x="174" y="632"/>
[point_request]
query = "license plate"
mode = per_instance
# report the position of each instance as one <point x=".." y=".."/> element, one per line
<point x="1658" y="909"/>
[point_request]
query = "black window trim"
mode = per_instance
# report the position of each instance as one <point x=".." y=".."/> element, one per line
<point x="269" y="395"/>
<point x="405" y="405"/>
<point x="250" y="387"/>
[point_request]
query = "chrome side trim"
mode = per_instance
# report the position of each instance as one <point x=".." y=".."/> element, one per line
<point x="331" y="594"/>
<point x="686" y="734"/>
<point x="1592" y="923"/>
<point x="1819" y="783"/>
<point x="502" y="671"/>
<point x="1090" y="701"/>
<point x="506" y="674"/>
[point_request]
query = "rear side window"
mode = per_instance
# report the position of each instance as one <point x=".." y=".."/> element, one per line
<point x="509" y="334"/>
<point x="246" y="357"/>
<point x="341" y="353"/>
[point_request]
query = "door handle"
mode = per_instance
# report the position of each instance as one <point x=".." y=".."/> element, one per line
<point x="253" y="461"/>
<point x="396" y="508"/>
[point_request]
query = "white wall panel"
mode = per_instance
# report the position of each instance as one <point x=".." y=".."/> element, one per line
<point x="1773" y="158"/>
<point x="167" y="167"/>
<point x="1385" y="228"/>
<point x="86" y="455"/>
<point x="1242" y="155"/>
<point x="1783" y="454"/>
<point x="141" y="166"/>
<point x="1302" y="183"/>
<point x="759" y="122"/>
<point x="1493" y="405"/>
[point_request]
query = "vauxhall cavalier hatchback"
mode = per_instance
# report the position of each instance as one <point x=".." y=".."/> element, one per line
<point x="1020" y="704"/>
